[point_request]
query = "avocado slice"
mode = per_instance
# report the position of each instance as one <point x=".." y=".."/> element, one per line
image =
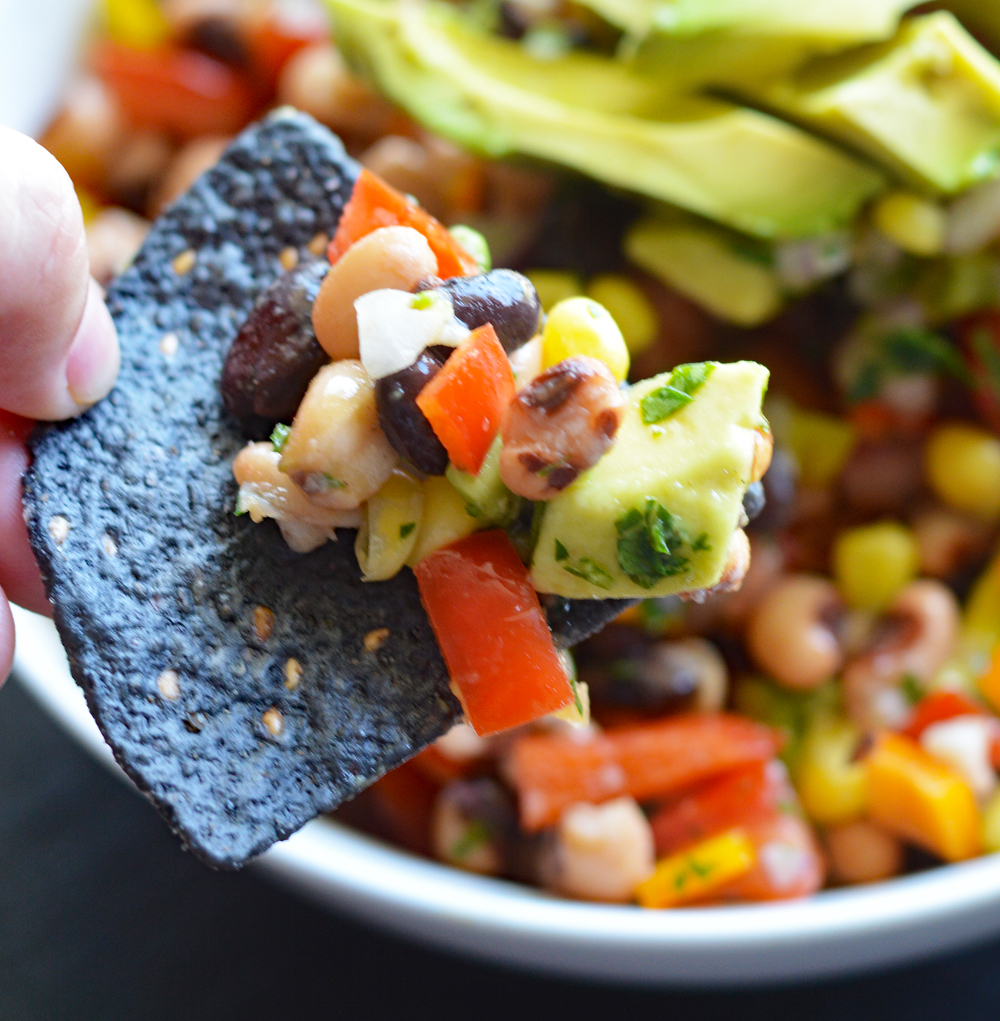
<point x="926" y="104"/>
<point x="694" y="465"/>
<point x="827" y="25"/>
<point x="603" y="118"/>
<point x="731" y="276"/>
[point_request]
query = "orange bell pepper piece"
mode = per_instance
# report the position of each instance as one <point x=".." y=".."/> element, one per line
<point x="492" y="632"/>
<point x="466" y="400"/>
<point x="651" y="760"/>
<point x="375" y="204"/>
<point x="921" y="799"/>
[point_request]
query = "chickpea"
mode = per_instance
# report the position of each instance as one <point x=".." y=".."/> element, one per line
<point x="87" y="134"/>
<point x="792" y="633"/>
<point x="558" y="426"/>
<point x="600" y="852"/>
<point x="113" y="238"/>
<point x="733" y="571"/>
<point x="763" y="448"/>
<point x="267" y="492"/>
<point x="863" y="852"/>
<point x="318" y="81"/>
<point x="186" y="167"/>
<point x="335" y="450"/>
<point x="390" y="257"/>
<point x="914" y="638"/>
<point x="460" y="836"/>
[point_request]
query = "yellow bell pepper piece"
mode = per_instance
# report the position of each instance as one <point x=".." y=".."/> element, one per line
<point x="978" y="637"/>
<point x="138" y="23"/>
<point x="921" y="799"/>
<point x="832" y="787"/>
<point x="445" y="519"/>
<point x="693" y="874"/>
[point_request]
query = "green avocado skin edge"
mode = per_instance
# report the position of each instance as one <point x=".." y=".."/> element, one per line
<point x="604" y="118"/>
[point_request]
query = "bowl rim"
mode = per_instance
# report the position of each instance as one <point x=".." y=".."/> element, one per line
<point x="835" y="931"/>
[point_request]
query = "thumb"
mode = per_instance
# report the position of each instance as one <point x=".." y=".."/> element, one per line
<point x="58" y="348"/>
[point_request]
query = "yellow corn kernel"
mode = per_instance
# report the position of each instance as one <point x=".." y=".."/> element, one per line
<point x="962" y="463"/>
<point x="873" y="563"/>
<point x="388" y="532"/>
<point x="916" y="224"/>
<point x="445" y="519"/>
<point x="554" y="285"/>
<point x="693" y="874"/>
<point x="832" y="787"/>
<point x="138" y="23"/>
<point x="921" y="799"/>
<point x="991" y="823"/>
<point x="89" y="205"/>
<point x="629" y="307"/>
<point x="580" y="326"/>
<point x="821" y="445"/>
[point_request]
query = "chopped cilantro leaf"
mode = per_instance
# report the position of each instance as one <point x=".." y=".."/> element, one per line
<point x="590" y="570"/>
<point x="332" y="483"/>
<point x="239" y="509"/>
<point x="279" y="436"/>
<point x="472" y="509"/>
<point x="986" y="350"/>
<point x="561" y="552"/>
<point x="701" y="544"/>
<point x="678" y="392"/>
<point x="423" y="300"/>
<point x="650" y="544"/>
<point x="407" y="529"/>
<point x="911" y="688"/>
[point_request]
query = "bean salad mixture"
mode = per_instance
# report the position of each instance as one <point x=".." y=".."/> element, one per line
<point x="529" y="366"/>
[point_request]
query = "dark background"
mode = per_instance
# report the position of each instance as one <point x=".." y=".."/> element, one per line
<point x="103" y="917"/>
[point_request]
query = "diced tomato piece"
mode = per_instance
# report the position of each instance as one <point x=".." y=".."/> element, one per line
<point x="182" y="92"/>
<point x="938" y="706"/>
<point x="789" y="862"/>
<point x="442" y="769"/>
<point x="740" y="798"/>
<point x="466" y="400"/>
<point x="652" y="760"/>
<point x="492" y="632"/>
<point x="375" y="204"/>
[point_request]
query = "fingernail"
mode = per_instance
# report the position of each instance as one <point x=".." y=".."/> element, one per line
<point x="92" y="366"/>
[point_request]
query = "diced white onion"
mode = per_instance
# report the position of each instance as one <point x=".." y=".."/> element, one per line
<point x="392" y="332"/>
<point x="965" y="742"/>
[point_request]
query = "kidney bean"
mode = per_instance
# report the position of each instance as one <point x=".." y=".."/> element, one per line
<point x="502" y="297"/>
<point x="403" y="422"/>
<point x="275" y="354"/>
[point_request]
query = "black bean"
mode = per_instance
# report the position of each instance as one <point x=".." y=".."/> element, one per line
<point x="780" y="484"/>
<point x="502" y="297"/>
<point x="219" y="37"/>
<point x="754" y="500"/>
<point x="275" y="354"/>
<point x="403" y="422"/>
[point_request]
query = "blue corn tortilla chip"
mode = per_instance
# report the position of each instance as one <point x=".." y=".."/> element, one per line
<point x="244" y="688"/>
<point x="229" y="675"/>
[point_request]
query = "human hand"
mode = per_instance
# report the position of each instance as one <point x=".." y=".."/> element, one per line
<point x="58" y="347"/>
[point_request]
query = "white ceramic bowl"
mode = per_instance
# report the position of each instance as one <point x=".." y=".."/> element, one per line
<point x="835" y="932"/>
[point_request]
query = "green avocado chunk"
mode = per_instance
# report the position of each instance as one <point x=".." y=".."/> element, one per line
<point x="828" y="25"/>
<point x="926" y="103"/>
<point x="656" y="514"/>
<point x="604" y="118"/>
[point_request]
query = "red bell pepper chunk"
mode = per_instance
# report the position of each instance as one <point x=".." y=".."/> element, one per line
<point x="466" y="400"/>
<point x="278" y="32"/>
<point x="375" y="204"/>
<point x="741" y="798"/>
<point x="938" y="706"/>
<point x="652" y="760"/>
<point x="182" y="92"/>
<point x="492" y="632"/>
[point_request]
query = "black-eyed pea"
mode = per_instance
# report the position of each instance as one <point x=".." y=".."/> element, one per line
<point x="862" y="852"/>
<point x="792" y="634"/>
<point x="335" y="451"/>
